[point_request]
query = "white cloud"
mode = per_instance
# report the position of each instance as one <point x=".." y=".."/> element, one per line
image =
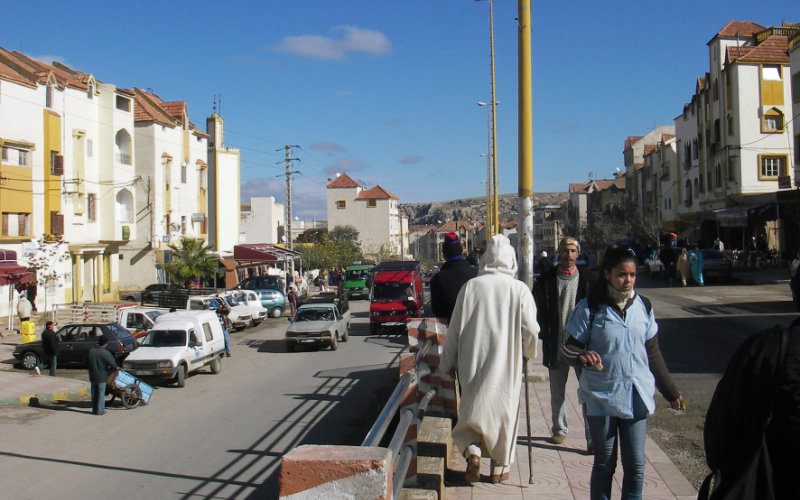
<point x="350" y="40"/>
<point x="263" y="187"/>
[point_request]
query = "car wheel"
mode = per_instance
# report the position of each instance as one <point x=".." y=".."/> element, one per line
<point x="276" y="313"/>
<point x="30" y="360"/>
<point x="131" y="396"/>
<point x="334" y="342"/>
<point x="290" y="347"/>
<point x="346" y="334"/>
<point x="216" y="365"/>
<point x="180" y="378"/>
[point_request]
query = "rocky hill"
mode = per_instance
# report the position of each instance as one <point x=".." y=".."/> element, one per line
<point x="473" y="209"/>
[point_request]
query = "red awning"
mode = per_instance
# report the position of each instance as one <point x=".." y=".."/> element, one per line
<point x="263" y="252"/>
<point x="12" y="273"/>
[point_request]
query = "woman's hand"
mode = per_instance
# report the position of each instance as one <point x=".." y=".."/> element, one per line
<point x="591" y="358"/>
<point x="678" y="404"/>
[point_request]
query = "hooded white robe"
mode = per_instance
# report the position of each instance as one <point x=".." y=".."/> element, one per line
<point x="493" y="326"/>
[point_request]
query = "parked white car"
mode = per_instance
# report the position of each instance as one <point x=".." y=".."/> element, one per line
<point x="250" y="299"/>
<point x="240" y="316"/>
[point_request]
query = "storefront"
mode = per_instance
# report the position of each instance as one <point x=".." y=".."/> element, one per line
<point x="251" y="259"/>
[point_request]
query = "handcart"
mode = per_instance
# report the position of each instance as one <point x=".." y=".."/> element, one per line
<point x="131" y="390"/>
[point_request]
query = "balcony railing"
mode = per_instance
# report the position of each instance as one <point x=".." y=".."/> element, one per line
<point x="124" y="158"/>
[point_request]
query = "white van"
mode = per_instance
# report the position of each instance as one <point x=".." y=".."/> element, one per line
<point x="178" y="344"/>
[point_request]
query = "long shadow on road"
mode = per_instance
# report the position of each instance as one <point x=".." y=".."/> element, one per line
<point x="338" y="412"/>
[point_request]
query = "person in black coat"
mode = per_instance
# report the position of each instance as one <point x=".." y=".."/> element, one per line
<point x="448" y="282"/>
<point x="50" y="347"/>
<point x="556" y="293"/>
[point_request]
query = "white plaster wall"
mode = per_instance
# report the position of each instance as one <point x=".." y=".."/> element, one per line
<point x="261" y="223"/>
<point x="686" y="133"/>
<point x="794" y="62"/>
<point x="227" y="199"/>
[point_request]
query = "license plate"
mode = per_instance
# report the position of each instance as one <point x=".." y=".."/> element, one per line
<point x="307" y="341"/>
<point x="144" y="372"/>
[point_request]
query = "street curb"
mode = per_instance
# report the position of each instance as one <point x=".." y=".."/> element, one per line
<point x="25" y="399"/>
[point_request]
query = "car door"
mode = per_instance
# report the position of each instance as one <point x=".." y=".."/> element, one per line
<point x="67" y="338"/>
<point x="87" y="336"/>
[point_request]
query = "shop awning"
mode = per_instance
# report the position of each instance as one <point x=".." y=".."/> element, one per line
<point x="12" y="273"/>
<point x="263" y="252"/>
<point x="731" y="217"/>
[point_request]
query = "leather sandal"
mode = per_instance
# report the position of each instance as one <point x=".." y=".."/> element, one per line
<point x="473" y="474"/>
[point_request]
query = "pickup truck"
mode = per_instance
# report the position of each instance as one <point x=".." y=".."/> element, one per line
<point x="179" y="343"/>
<point x="318" y="323"/>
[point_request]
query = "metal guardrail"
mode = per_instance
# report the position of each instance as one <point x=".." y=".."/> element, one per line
<point x="402" y="454"/>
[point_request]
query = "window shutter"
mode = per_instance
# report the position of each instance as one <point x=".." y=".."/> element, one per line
<point x="5" y="225"/>
<point x="21" y="220"/>
<point x="58" y="165"/>
<point x="56" y="224"/>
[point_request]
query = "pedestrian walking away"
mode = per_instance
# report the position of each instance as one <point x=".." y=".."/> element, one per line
<point x="696" y="264"/>
<point x="556" y="293"/>
<point x="614" y="335"/>
<point x="446" y="284"/>
<point x="50" y="342"/>
<point x="492" y="328"/>
<point x="101" y="363"/>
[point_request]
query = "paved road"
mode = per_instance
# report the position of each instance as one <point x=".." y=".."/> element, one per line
<point x="221" y="436"/>
<point x="699" y="329"/>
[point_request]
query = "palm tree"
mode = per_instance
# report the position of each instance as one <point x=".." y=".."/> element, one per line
<point x="193" y="259"/>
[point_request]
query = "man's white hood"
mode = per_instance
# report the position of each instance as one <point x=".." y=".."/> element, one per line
<point x="499" y="257"/>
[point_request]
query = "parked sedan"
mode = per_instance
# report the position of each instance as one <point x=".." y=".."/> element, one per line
<point x="75" y="340"/>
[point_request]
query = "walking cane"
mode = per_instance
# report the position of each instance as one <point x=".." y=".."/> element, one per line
<point x="528" y="419"/>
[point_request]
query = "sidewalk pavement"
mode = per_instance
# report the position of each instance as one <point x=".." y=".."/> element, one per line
<point x="561" y="471"/>
<point x="18" y="388"/>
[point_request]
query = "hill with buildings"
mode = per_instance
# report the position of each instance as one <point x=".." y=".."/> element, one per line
<point x="472" y="209"/>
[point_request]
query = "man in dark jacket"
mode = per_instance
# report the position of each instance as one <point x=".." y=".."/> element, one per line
<point x="556" y="292"/>
<point x="101" y="363"/>
<point x="446" y="284"/>
<point x="50" y="347"/>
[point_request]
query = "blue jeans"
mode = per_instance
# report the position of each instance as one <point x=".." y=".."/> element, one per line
<point x="227" y="337"/>
<point x="631" y="434"/>
<point x="98" y="398"/>
<point x="53" y="364"/>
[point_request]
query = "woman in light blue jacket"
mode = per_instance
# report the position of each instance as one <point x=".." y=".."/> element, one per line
<point x="614" y="335"/>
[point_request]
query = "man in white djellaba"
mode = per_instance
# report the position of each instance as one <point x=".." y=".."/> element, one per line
<point x="492" y="329"/>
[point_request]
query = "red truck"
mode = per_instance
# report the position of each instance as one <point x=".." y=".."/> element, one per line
<point x="396" y="294"/>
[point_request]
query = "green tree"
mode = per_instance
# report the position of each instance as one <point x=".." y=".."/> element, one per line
<point x="336" y="249"/>
<point x="192" y="259"/>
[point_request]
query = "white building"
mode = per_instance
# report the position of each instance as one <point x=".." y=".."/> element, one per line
<point x="68" y="150"/>
<point x="262" y="221"/>
<point x="223" y="188"/>
<point x="373" y="212"/>
<point x="794" y="64"/>
<point x="633" y="153"/>
<point x="171" y="195"/>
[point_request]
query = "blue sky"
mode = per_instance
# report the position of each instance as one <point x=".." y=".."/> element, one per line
<point x="387" y="91"/>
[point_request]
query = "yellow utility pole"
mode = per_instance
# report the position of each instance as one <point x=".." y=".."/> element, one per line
<point x="525" y="192"/>
<point x="496" y="213"/>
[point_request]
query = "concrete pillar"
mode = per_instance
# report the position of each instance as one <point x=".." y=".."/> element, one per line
<point x="314" y="471"/>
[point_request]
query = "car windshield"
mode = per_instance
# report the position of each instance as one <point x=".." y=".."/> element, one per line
<point x="391" y="291"/>
<point x="231" y="301"/>
<point x="165" y="338"/>
<point x="314" y="314"/>
<point x="356" y="274"/>
<point x="153" y="314"/>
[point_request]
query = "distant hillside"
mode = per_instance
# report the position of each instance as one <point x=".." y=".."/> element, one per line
<point x="473" y="209"/>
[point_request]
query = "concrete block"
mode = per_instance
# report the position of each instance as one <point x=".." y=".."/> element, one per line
<point x="434" y="437"/>
<point x="418" y="494"/>
<point x="430" y="474"/>
<point x="315" y="471"/>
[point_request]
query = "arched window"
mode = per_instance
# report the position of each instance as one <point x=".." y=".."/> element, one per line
<point x="772" y="121"/>
<point x="122" y="147"/>
<point x="124" y="201"/>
